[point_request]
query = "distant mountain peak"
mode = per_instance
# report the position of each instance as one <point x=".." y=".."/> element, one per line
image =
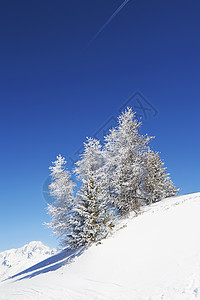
<point x="14" y="260"/>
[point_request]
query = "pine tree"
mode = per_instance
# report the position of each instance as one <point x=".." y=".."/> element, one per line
<point x="115" y="180"/>
<point x="92" y="205"/>
<point x="156" y="184"/>
<point x="62" y="191"/>
<point x="124" y="152"/>
<point x="73" y="238"/>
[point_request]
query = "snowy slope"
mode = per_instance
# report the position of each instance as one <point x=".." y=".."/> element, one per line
<point x="16" y="260"/>
<point x="157" y="256"/>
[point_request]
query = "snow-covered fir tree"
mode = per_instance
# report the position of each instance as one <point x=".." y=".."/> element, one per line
<point x="156" y="184"/>
<point x="62" y="191"/>
<point x="124" y="151"/>
<point x="74" y="236"/>
<point x="92" y="206"/>
<point x="115" y="180"/>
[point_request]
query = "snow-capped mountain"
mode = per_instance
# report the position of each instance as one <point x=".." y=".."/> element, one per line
<point x="155" y="257"/>
<point x="15" y="260"/>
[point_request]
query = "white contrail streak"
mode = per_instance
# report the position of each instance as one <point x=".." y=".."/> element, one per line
<point x="109" y="20"/>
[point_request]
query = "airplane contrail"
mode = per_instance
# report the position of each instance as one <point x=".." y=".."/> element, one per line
<point x="108" y="21"/>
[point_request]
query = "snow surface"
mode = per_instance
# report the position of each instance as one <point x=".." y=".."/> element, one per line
<point x="156" y="256"/>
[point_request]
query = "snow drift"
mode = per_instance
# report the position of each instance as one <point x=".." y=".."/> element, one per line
<point x="156" y="256"/>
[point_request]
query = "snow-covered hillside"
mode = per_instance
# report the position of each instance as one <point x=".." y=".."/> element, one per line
<point x="16" y="260"/>
<point x="157" y="256"/>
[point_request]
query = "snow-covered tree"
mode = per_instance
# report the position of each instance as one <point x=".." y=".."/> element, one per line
<point x="115" y="180"/>
<point x="62" y="191"/>
<point x="92" y="205"/>
<point x="73" y="238"/>
<point x="156" y="184"/>
<point x="124" y="151"/>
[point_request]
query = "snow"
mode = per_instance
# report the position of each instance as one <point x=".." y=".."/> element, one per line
<point x="156" y="256"/>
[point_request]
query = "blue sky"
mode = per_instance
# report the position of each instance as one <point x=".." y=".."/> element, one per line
<point x="56" y="88"/>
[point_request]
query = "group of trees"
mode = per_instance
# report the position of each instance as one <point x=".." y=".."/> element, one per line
<point x="116" y="178"/>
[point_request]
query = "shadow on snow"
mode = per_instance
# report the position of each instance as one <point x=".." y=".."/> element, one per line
<point x="52" y="263"/>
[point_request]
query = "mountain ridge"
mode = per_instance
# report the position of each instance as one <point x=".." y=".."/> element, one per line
<point x="16" y="259"/>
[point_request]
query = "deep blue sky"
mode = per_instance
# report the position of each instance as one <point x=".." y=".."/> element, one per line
<point x="55" y="90"/>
